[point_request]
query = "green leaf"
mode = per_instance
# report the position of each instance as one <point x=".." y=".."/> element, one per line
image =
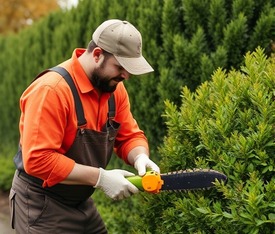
<point x="259" y="222"/>
<point x="227" y="215"/>
<point x="246" y="216"/>
<point x="272" y="204"/>
<point x="203" y="210"/>
<point x="271" y="216"/>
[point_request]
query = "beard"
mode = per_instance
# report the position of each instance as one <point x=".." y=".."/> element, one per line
<point x="103" y="83"/>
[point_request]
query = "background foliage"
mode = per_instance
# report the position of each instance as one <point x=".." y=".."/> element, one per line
<point x="228" y="125"/>
<point x="185" y="41"/>
<point x="18" y="14"/>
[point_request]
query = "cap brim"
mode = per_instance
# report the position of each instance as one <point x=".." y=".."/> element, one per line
<point x="135" y="66"/>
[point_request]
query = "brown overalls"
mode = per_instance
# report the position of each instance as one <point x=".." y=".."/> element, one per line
<point x="64" y="208"/>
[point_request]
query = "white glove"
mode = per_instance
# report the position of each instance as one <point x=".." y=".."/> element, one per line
<point x="114" y="184"/>
<point x="142" y="162"/>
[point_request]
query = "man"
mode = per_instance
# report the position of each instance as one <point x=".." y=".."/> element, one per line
<point x="72" y="118"/>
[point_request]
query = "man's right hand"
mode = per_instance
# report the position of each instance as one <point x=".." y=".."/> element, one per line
<point x="114" y="184"/>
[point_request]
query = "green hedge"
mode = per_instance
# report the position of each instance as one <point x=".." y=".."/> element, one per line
<point x="6" y="170"/>
<point x="228" y="124"/>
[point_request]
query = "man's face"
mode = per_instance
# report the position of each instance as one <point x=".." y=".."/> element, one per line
<point x="106" y="77"/>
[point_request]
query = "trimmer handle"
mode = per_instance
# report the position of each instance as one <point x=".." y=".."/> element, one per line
<point x="151" y="182"/>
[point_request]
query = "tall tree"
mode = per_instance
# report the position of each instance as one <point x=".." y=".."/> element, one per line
<point x="16" y="14"/>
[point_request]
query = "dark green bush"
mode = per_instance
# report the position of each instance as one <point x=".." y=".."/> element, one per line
<point x="6" y="168"/>
<point x="228" y="124"/>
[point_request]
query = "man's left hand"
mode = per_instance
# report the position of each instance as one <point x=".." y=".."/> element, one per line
<point x="142" y="162"/>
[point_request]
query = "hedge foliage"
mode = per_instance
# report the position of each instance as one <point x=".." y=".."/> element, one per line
<point x="228" y="124"/>
<point x="185" y="41"/>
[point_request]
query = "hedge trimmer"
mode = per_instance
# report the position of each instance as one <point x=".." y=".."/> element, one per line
<point x="195" y="179"/>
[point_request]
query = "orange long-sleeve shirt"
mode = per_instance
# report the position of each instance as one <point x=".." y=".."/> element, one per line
<point x="48" y="122"/>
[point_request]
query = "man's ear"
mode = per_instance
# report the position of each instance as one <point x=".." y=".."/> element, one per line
<point x="97" y="53"/>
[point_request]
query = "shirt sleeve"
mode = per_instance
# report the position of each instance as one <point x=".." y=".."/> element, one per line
<point x="42" y="127"/>
<point x="129" y="135"/>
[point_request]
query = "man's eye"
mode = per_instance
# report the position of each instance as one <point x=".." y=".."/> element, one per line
<point x="120" y="68"/>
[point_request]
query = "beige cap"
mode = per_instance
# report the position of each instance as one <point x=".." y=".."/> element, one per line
<point x="124" y="41"/>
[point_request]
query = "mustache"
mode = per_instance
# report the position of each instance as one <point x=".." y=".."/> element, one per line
<point x="118" y="79"/>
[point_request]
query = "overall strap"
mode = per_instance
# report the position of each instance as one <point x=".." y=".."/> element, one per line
<point x="112" y="107"/>
<point x="78" y="105"/>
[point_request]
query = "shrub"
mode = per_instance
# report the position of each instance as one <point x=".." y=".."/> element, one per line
<point x="228" y="124"/>
<point x="6" y="169"/>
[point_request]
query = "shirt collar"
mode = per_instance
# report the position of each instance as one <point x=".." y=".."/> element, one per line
<point x="81" y="78"/>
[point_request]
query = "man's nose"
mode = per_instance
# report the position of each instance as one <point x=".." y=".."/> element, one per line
<point x="125" y="75"/>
